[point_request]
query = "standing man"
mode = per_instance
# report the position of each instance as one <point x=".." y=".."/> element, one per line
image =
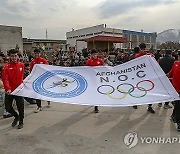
<point x="131" y="57"/>
<point x="175" y="74"/>
<point x="166" y="64"/>
<point x="38" y="60"/>
<point x="143" y="52"/>
<point x="94" y="61"/>
<point x="12" y="77"/>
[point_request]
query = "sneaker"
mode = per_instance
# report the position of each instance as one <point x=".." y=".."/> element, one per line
<point x="167" y="106"/>
<point x="159" y="104"/>
<point x="20" y="126"/>
<point x="178" y="126"/>
<point x="96" y="109"/>
<point x="135" y="106"/>
<point x="14" y="123"/>
<point x="7" y="116"/>
<point x="173" y="119"/>
<point x="38" y="109"/>
<point x="150" y="109"/>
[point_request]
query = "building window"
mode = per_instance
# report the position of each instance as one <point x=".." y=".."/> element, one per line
<point x="148" y="46"/>
<point x="89" y="34"/>
<point x="82" y="35"/>
<point x="118" y="33"/>
<point x="141" y="38"/>
<point x="147" y="39"/>
<point x="108" y="32"/>
<point x="134" y="38"/>
<point x="126" y="45"/>
<point x="127" y="36"/>
<point x="133" y="45"/>
<point x="97" y="33"/>
<point x="153" y="39"/>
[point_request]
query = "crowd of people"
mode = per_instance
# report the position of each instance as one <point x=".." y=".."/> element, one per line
<point x="18" y="67"/>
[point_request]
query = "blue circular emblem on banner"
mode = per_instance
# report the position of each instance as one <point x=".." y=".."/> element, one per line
<point x="60" y="84"/>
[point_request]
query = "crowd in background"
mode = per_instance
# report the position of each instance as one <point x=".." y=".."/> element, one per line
<point x="72" y="58"/>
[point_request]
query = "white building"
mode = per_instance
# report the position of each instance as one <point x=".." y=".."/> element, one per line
<point x="83" y="33"/>
<point x="10" y="37"/>
<point x="134" y="38"/>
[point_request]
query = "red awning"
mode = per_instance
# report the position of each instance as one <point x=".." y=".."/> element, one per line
<point x="103" y="38"/>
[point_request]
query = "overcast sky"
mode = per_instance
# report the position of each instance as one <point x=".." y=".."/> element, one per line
<point x="60" y="16"/>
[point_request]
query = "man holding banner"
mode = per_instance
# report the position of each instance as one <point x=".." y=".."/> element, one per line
<point x="38" y="60"/>
<point x="175" y="74"/>
<point x="12" y="77"/>
<point x="94" y="61"/>
<point x="142" y="52"/>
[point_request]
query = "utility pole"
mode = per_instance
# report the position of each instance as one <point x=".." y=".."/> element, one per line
<point x="46" y="34"/>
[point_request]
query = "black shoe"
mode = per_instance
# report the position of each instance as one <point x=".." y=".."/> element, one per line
<point x="96" y="109"/>
<point x="135" y="106"/>
<point x="167" y="106"/>
<point x="150" y="109"/>
<point x="178" y="126"/>
<point x="173" y="119"/>
<point x="159" y="104"/>
<point x="20" y="126"/>
<point x="14" y="123"/>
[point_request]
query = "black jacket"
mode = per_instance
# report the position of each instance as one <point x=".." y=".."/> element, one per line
<point x="166" y="63"/>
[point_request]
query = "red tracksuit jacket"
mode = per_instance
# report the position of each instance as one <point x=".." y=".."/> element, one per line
<point x="94" y="62"/>
<point x="175" y="74"/>
<point x="39" y="60"/>
<point x="12" y="75"/>
<point x="142" y="54"/>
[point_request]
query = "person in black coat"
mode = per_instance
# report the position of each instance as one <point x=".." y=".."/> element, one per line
<point x="166" y="64"/>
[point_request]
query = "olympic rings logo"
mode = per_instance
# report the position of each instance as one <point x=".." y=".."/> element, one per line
<point x="123" y="92"/>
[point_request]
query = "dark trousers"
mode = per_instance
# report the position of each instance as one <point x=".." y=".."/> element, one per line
<point x="38" y="102"/>
<point x="19" y="103"/>
<point x="29" y="100"/>
<point x="176" y="111"/>
<point x="95" y="107"/>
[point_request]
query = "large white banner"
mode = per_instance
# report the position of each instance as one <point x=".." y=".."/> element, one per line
<point x="137" y="82"/>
